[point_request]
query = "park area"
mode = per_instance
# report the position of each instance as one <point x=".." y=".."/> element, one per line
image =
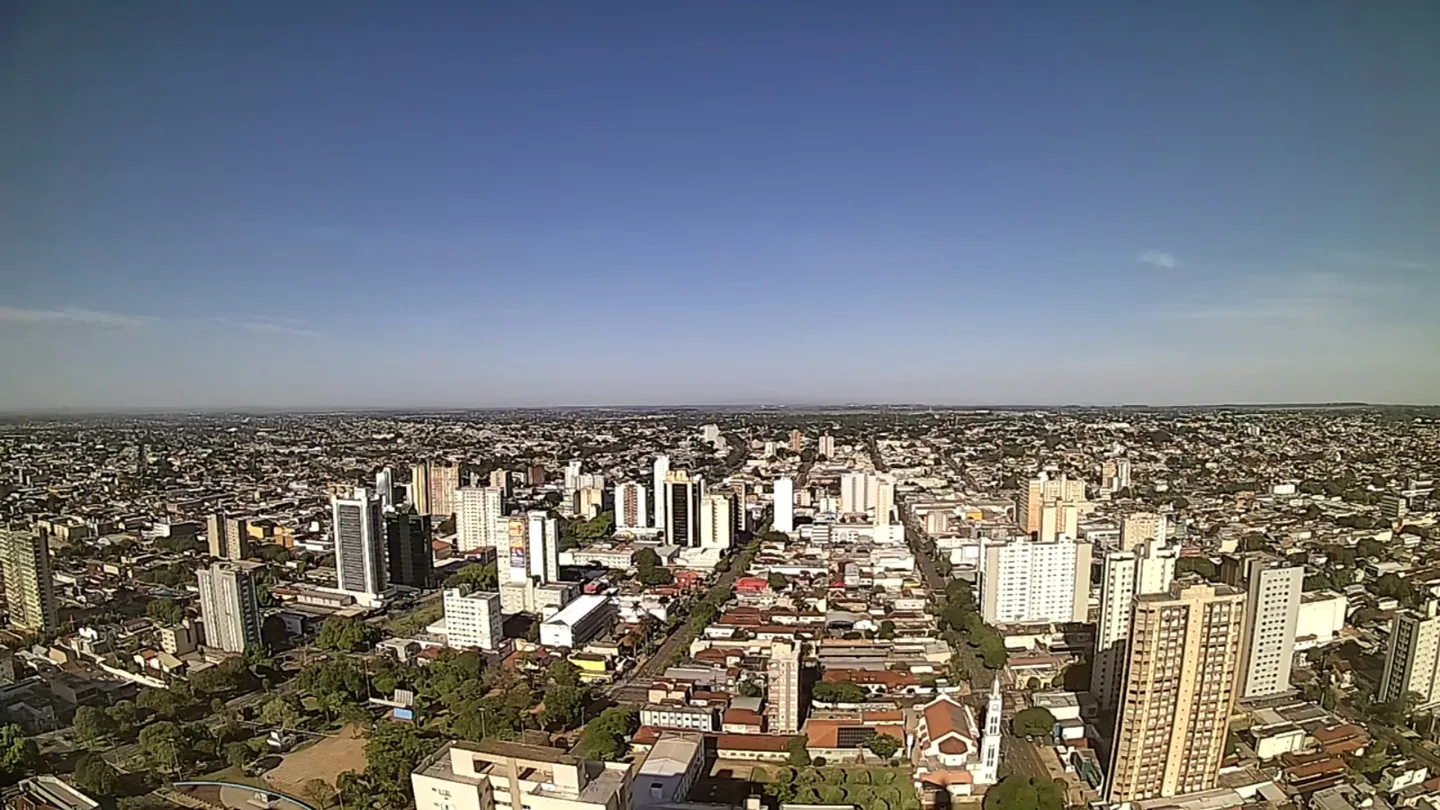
<point x="324" y="760"/>
<point x="866" y="788"/>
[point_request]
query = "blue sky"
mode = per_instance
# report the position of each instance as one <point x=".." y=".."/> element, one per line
<point x="357" y="204"/>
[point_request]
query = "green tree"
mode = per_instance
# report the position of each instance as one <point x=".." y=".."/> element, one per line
<point x="887" y="629"/>
<point x="344" y="634"/>
<point x="884" y="746"/>
<point x="777" y="581"/>
<point x="564" y="706"/>
<point x="284" y="712"/>
<point x="750" y="689"/>
<point x="604" y="737"/>
<point x="799" y="757"/>
<point x="841" y="692"/>
<point x="1197" y="565"/>
<point x="166" y="703"/>
<point x="164" y="744"/>
<point x="95" y="776"/>
<point x="165" y="611"/>
<point x="563" y="673"/>
<point x="123" y="716"/>
<point x="92" y="724"/>
<point x="1319" y="581"/>
<point x="393" y="751"/>
<point x="1020" y="793"/>
<point x="482" y="577"/>
<point x="18" y="754"/>
<point x="1034" y="722"/>
<point x="237" y="754"/>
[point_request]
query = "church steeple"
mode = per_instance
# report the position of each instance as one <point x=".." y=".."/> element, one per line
<point x="987" y="772"/>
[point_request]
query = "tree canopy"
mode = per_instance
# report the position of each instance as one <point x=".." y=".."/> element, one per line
<point x="841" y="692"/>
<point x="18" y="754"/>
<point x="1034" y="722"/>
<point x="344" y="634"/>
<point x="1022" y="793"/>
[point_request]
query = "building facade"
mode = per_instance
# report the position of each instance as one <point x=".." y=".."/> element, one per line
<point x="783" y="693"/>
<point x="29" y="584"/>
<point x="1042" y="491"/>
<point x="1272" y="609"/>
<point x="409" y="557"/>
<point x="682" y="508"/>
<point x="472" y="619"/>
<point x="630" y="512"/>
<point x="229" y="537"/>
<point x="229" y="607"/>
<point x="479" y="513"/>
<point x="717" y="520"/>
<point x="1027" y="581"/>
<point x="1412" y="662"/>
<point x="358" y="524"/>
<point x="660" y="473"/>
<point x="1125" y="574"/>
<point x="783" y="519"/>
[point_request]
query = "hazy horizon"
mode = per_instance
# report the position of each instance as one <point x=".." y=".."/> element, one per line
<point x="358" y="206"/>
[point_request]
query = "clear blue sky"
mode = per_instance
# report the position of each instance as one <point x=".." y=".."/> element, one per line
<point x="479" y="204"/>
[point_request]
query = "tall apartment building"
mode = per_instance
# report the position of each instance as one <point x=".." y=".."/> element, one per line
<point x="492" y="775"/>
<point x="501" y="478"/>
<point x="1139" y="528"/>
<point x="1025" y="580"/>
<point x="1115" y="475"/>
<point x="1180" y="687"/>
<point x="478" y="513"/>
<point x="630" y="506"/>
<point x="797" y="441"/>
<point x="1042" y="491"/>
<point x="512" y="561"/>
<point x="783" y="519"/>
<point x="29" y="585"/>
<point x="783" y="693"/>
<point x="682" y="508"/>
<point x="472" y="619"/>
<point x="589" y="502"/>
<point x="544" y="546"/>
<point x="408" y="555"/>
<point x="859" y="492"/>
<point x="358" y="524"/>
<point x="228" y="606"/>
<point x="717" y="521"/>
<point x="826" y="446"/>
<point x="1412" y="662"/>
<point x="1272" y="609"/>
<point x="420" y="487"/>
<point x="385" y="487"/>
<point x="432" y="487"/>
<point x="885" y="500"/>
<point x="661" y="472"/>
<point x="1151" y="569"/>
<point x="229" y="537"/>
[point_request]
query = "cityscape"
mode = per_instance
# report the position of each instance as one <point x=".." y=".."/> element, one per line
<point x="887" y="609"/>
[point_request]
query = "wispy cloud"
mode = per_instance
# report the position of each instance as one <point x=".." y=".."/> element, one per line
<point x="1158" y="259"/>
<point x="74" y="315"/>
<point x="268" y="326"/>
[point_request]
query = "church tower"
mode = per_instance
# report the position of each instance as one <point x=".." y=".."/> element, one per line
<point x="987" y="771"/>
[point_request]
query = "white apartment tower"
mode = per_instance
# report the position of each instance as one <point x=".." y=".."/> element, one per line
<point x="1272" y="607"/>
<point x="472" y="620"/>
<point x="1412" y="663"/>
<point x="229" y="607"/>
<point x="358" y="524"/>
<point x="544" y="546"/>
<point x="884" y="500"/>
<point x="784" y="687"/>
<point x="385" y="487"/>
<point x="784" y="518"/>
<point x="478" y="513"/>
<point x="826" y="446"/>
<point x="630" y="506"/>
<point x="662" y="471"/>
<point x="858" y="492"/>
<point x="1025" y="581"/>
<point x="717" y="521"/>
<point x="1127" y="574"/>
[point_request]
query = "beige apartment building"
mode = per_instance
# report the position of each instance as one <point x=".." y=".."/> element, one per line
<point x="1050" y="506"/>
<point x="1412" y="662"/>
<point x="229" y="537"/>
<point x="1180" y="687"/>
<point x="493" y="775"/>
<point x="29" y="587"/>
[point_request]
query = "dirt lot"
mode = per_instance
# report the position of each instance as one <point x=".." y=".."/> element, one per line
<point x="326" y="760"/>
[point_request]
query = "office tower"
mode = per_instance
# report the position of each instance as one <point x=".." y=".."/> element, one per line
<point x="682" y="508"/>
<point x="987" y="770"/>
<point x="885" y="500"/>
<point x="1139" y="528"/>
<point x="797" y="441"/>
<point x="1180" y="686"/>
<point x="229" y="537"/>
<point x="826" y="447"/>
<point x="385" y="487"/>
<point x="784" y="687"/>
<point x="358" y="523"/>
<point x="784" y="517"/>
<point x="407" y="547"/>
<point x="1044" y="490"/>
<point x="1025" y="580"/>
<point x="1272" y="607"/>
<point x="472" y="620"/>
<point x="1151" y="569"/>
<point x="536" y="476"/>
<point x="478" y="510"/>
<point x="420" y="488"/>
<point x="717" y="521"/>
<point x="630" y="506"/>
<point x="544" y="546"/>
<point x="662" y="469"/>
<point x="228" y="606"/>
<point x="29" y="586"/>
<point x="1412" y="663"/>
<point x="858" y="492"/>
<point x="589" y="501"/>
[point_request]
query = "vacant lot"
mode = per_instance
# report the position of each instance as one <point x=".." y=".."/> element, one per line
<point x="324" y="760"/>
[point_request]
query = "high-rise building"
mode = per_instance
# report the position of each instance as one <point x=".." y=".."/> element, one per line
<point x="572" y="476"/>
<point x="987" y="770"/>
<point x="717" y="520"/>
<point x="885" y="500"/>
<point x="662" y="470"/>
<point x="358" y="523"/>
<point x="1139" y="528"/>
<point x="1180" y="687"/>
<point x="784" y="517"/>
<point x="1151" y="569"/>
<point x="1044" y="490"/>
<point x="630" y="506"/>
<point x="228" y="606"/>
<point x="408" y="554"/>
<point x="420" y="487"/>
<point x="858" y="492"/>
<point x="229" y="537"/>
<point x="501" y="478"/>
<point x="29" y="586"/>
<point x="385" y="487"/>
<point x="544" y="546"/>
<point x="513" y="561"/>
<point x="1115" y="475"/>
<point x="1031" y="581"/>
<point x="478" y="511"/>
<point x="682" y="508"/>
<point x="826" y="446"/>
<point x="536" y="476"/>
<point x="710" y="433"/>
<point x="432" y="487"/>
<point x="1272" y="608"/>
<point x="589" y="502"/>
<point x="1412" y="662"/>
<point x="783" y="693"/>
<point x="797" y="441"/>
<point x="472" y="619"/>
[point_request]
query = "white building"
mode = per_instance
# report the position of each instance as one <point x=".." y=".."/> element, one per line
<point x="478" y="514"/>
<point x="784" y="687"/>
<point x="987" y="770"/>
<point x="1320" y="619"/>
<point x="630" y="506"/>
<point x="717" y="521"/>
<point x="385" y="487"/>
<point x="662" y="470"/>
<point x="472" y="620"/>
<point x="1272" y="606"/>
<point x="578" y="622"/>
<point x="493" y="775"/>
<point x="859" y="492"/>
<point x="1126" y="574"/>
<point x="826" y="446"/>
<point x="710" y="433"/>
<point x="784" y="520"/>
<point x="544" y="542"/>
<point x="1030" y="581"/>
<point x="1412" y="663"/>
<point x="358" y="524"/>
<point x="228" y="606"/>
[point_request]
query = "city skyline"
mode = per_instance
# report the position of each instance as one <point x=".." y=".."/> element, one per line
<point x="260" y="206"/>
